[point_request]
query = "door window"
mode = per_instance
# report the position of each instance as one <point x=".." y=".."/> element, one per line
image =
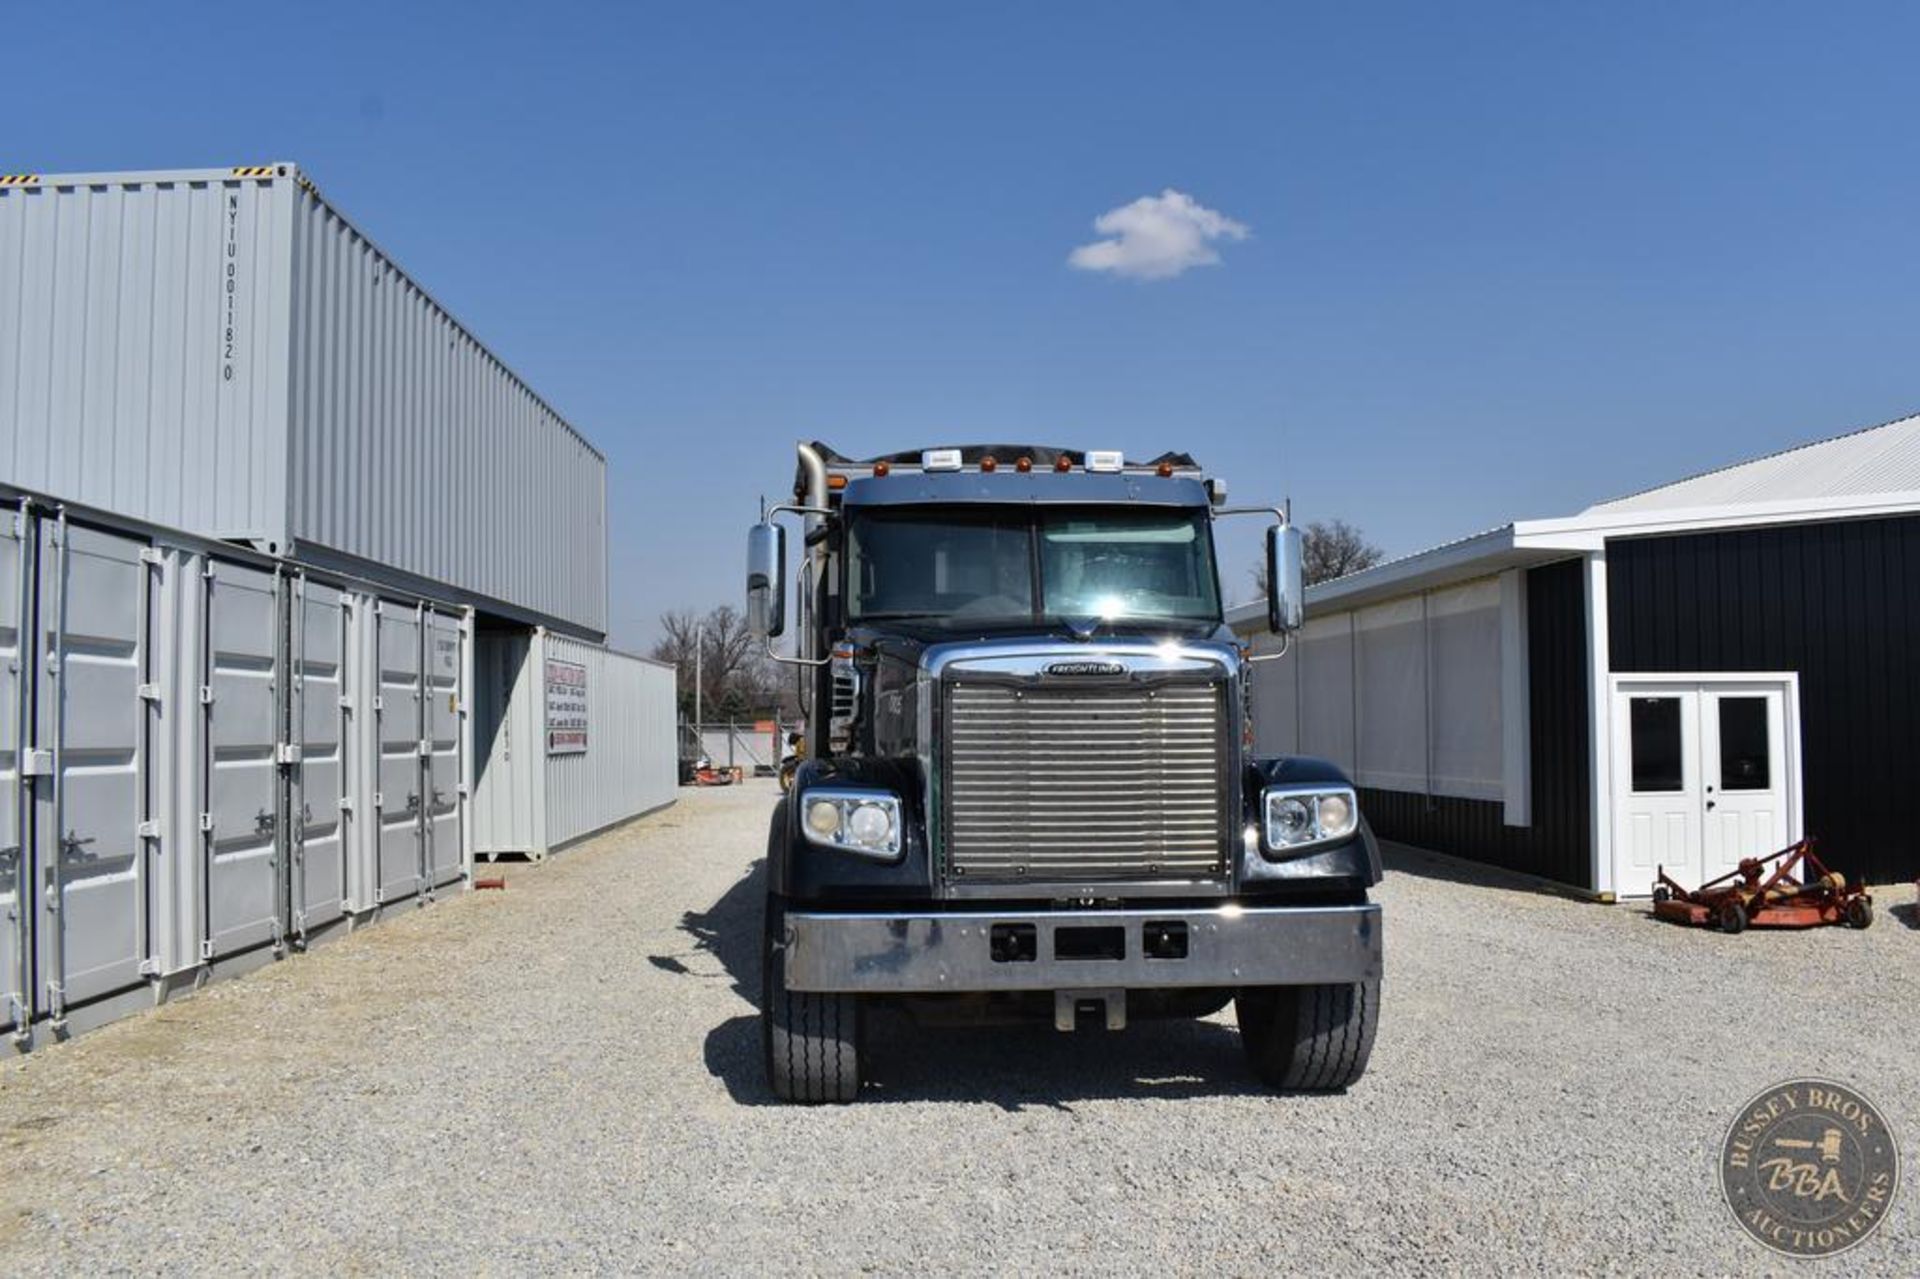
<point x="1655" y="727"/>
<point x="1744" y="761"/>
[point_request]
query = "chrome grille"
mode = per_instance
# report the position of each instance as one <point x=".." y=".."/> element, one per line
<point x="1085" y="782"/>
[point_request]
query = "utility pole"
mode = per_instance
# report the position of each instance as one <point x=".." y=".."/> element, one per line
<point x="699" y="734"/>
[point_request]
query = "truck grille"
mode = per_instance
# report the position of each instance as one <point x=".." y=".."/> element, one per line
<point x="1085" y="783"/>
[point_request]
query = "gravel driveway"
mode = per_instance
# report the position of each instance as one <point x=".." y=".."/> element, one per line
<point x="566" y="1075"/>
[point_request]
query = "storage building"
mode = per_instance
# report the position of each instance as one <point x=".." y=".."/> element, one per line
<point x="268" y="509"/>
<point x="1684" y="677"/>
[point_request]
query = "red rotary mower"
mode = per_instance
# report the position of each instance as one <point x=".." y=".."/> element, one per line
<point x="1788" y="889"/>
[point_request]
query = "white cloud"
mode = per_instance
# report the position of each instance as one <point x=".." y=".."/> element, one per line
<point x="1156" y="237"/>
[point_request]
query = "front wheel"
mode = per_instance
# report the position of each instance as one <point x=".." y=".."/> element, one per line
<point x="1309" y="1038"/>
<point x="812" y="1040"/>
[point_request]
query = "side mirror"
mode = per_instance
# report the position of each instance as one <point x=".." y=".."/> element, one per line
<point x="766" y="580"/>
<point x="1286" y="579"/>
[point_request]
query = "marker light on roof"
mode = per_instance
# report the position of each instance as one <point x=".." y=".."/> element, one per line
<point x="940" y="460"/>
<point x="880" y="470"/>
<point x="1105" y="460"/>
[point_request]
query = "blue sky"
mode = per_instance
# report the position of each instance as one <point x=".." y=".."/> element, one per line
<point x="1502" y="260"/>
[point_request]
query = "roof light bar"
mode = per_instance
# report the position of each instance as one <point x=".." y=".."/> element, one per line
<point x="1105" y="460"/>
<point x="940" y="460"/>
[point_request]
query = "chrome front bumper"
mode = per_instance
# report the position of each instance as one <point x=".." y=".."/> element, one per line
<point x="958" y="951"/>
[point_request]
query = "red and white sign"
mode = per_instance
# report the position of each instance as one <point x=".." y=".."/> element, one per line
<point x="566" y="708"/>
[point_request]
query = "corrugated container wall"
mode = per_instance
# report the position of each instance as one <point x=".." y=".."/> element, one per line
<point x="572" y="737"/>
<point x="228" y="354"/>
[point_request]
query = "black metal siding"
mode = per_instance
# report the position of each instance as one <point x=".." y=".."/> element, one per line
<point x="1558" y="845"/>
<point x="1836" y="602"/>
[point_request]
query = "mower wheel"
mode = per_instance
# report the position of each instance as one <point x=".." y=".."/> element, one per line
<point x="1732" y="918"/>
<point x="1859" y="913"/>
<point x="1662" y="893"/>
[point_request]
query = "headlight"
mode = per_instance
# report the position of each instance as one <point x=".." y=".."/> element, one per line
<point x="1300" y="817"/>
<point x="866" y="823"/>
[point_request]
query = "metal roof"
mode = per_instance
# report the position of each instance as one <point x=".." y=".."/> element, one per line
<point x="1874" y="472"/>
<point x="1879" y="459"/>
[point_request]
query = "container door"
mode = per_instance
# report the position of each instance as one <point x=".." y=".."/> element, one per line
<point x="397" y="712"/>
<point x="319" y="846"/>
<point x="16" y="915"/>
<point x="444" y="694"/>
<point x="89" y="717"/>
<point x="241" y="841"/>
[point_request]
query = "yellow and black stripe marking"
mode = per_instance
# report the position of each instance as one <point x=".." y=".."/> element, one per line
<point x="253" y="171"/>
<point x="19" y="179"/>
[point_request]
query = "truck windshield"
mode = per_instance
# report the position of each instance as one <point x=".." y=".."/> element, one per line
<point x="997" y="566"/>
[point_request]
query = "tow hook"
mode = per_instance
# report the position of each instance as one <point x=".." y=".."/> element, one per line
<point x="1073" y="1008"/>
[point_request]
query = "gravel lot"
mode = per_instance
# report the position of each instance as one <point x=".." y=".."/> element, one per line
<point x="565" y="1075"/>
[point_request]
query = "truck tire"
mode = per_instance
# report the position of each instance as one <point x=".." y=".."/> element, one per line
<point x="1309" y="1038"/>
<point x="812" y="1040"/>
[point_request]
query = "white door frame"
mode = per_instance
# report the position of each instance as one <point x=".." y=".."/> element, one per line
<point x="1786" y="682"/>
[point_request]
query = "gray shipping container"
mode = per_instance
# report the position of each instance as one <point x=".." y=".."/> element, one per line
<point x="222" y="351"/>
<point x="572" y="738"/>
<point x="210" y="756"/>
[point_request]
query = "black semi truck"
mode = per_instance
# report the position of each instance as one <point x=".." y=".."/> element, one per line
<point x="1030" y="788"/>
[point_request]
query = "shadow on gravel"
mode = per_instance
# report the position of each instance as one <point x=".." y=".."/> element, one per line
<point x="1908" y="914"/>
<point x="1405" y="859"/>
<point x="1013" y="1067"/>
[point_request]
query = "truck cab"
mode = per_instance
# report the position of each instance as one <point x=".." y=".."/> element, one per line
<point x="1030" y="790"/>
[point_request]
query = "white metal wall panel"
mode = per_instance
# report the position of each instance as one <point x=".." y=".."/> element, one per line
<point x="143" y="347"/>
<point x="16" y="933"/>
<point x="1390" y="695"/>
<point x="1463" y="638"/>
<point x="445" y="636"/>
<point x="531" y="801"/>
<point x="241" y="839"/>
<point x="509" y="753"/>
<point x="1276" y="698"/>
<point x="397" y="717"/>
<point x="1326" y="689"/>
<point x="318" y="802"/>
<point x="90" y="716"/>
<point x="630" y="765"/>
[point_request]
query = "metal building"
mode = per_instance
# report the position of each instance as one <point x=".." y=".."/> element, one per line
<point x="573" y="738"/>
<point x="266" y="506"/>
<point x="222" y="351"/>
<point x="1684" y="677"/>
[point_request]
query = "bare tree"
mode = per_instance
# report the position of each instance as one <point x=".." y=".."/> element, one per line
<point x="736" y="679"/>
<point x="1334" y="548"/>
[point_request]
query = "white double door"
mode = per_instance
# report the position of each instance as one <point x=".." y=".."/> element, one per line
<point x="1706" y="771"/>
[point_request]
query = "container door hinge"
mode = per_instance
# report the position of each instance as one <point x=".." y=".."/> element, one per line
<point x="346" y="704"/>
<point x="462" y="790"/>
<point x="206" y="950"/>
<point x="346" y="804"/>
<point x="149" y="967"/>
<point x="147" y="830"/>
<point x="426" y="748"/>
<point x="57" y="1006"/>
<point x="150" y="693"/>
<point x="36" y="764"/>
<point x="206" y="694"/>
<point x="287" y="753"/>
<point x="152" y="555"/>
<point x="379" y="799"/>
<point x="206" y="821"/>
